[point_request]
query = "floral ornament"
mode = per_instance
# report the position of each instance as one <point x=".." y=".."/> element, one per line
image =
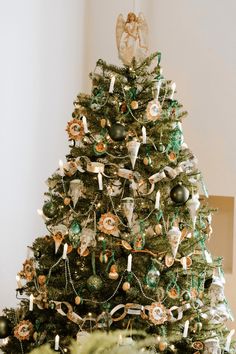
<point x="173" y="293"/>
<point x="157" y="313"/>
<point x="198" y="345"/>
<point x="108" y="224"/>
<point x="23" y="330"/>
<point x="75" y="129"/>
<point x="153" y="111"/>
<point x="28" y="271"/>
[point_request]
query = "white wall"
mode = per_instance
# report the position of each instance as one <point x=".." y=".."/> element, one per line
<point x="47" y="50"/>
<point x="40" y="74"/>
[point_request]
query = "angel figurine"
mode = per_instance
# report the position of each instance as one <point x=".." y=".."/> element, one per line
<point x="132" y="37"/>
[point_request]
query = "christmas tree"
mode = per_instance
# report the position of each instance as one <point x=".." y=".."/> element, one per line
<point x="127" y="228"/>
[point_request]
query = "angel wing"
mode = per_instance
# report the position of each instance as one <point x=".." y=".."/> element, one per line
<point x="143" y="31"/>
<point x="120" y="27"/>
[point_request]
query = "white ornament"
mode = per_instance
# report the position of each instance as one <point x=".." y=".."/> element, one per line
<point x="212" y="346"/>
<point x="76" y="190"/>
<point x="133" y="148"/>
<point x="87" y="238"/>
<point x="193" y="205"/>
<point x="128" y="209"/>
<point x="216" y="291"/>
<point x="132" y="38"/>
<point x="174" y="237"/>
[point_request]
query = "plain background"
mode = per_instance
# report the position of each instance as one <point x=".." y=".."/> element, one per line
<point x="47" y="50"/>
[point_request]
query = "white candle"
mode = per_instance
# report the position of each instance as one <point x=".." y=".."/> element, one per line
<point x="65" y="251"/>
<point x="19" y="285"/>
<point x="144" y="135"/>
<point x="40" y="213"/>
<point x="112" y="83"/>
<point x="57" y="340"/>
<point x="158" y="88"/>
<point x="129" y="264"/>
<point x="186" y="325"/>
<point x="100" y="185"/>
<point x="184" y="263"/>
<point x="229" y="339"/>
<point x="157" y="202"/>
<point x="61" y="168"/>
<point x="84" y="120"/>
<point x="31" y="304"/>
<point x="173" y="87"/>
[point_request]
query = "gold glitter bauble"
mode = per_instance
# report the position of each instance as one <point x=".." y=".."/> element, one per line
<point x="66" y="201"/>
<point x="77" y="300"/>
<point x="158" y="229"/>
<point x="126" y="286"/>
<point x="162" y="346"/>
<point x="134" y="104"/>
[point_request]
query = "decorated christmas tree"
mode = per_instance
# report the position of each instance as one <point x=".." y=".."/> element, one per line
<point x="127" y="230"/>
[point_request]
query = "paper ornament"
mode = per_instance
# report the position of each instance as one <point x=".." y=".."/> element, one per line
<point x="133" y="148"/>
<point x="212" y="346"/>
<point x="128" y="209"/>
<point x="76" y="190"/>
<point x="108" y="224"/>
<point x="193" y="205"/>
<point x="174" y="236"/>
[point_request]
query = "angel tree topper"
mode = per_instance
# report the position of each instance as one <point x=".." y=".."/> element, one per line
<point x="132" y="37"/>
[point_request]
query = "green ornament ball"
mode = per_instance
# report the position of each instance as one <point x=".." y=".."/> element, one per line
<point x="161" y="147"/>
<point x="5" y="327"/>
<point x="186" y="296"/>
<point x="51" y="305"/>
<point x="37" y="254"/>
<point x="179" y="194"/>
<point x="94" y="283"/>
<point x="117" y="132"/>
<point x="50" y="209"/>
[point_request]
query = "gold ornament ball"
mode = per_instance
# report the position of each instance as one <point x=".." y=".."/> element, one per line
<point x="113" y="268"/>
<point x="103" y="258"/>
<point x="77" y="300"/>
<point x="162" y="346"/>
<point x="158" y="229"/>
<point x="103" y="122"/>
<point x="113" y="275"/>
<point x="67" y="201"/>
<point x="41" y="279"/>
<point x="134" y="104"/>
<point x="126" y="286"/>
<point x="147" y="160"/>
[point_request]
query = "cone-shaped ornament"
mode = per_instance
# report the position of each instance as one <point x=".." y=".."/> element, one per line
<point x="174" y="236"/>
<point x="193" y="205"/>
<point x="76" y="190"/>
<point x="128" y="209"/>
<point x="133" y="148"/>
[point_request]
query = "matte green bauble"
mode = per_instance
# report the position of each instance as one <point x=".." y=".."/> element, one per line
<point x="94" y="283"/>
<point x="5" y="327"/>
<point x="50" y="209"/>
<point x="179" y="194"/>
<point x="186" y="296"/>
<point x="117" y="132"/>
<point x="152" y="277"/>
<point x="37" y="254"/>
<point x="161" y="147"/>
<point x="197" y="327"/>
<point x="51" y="305"/>
<point x="74" y="233"/>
